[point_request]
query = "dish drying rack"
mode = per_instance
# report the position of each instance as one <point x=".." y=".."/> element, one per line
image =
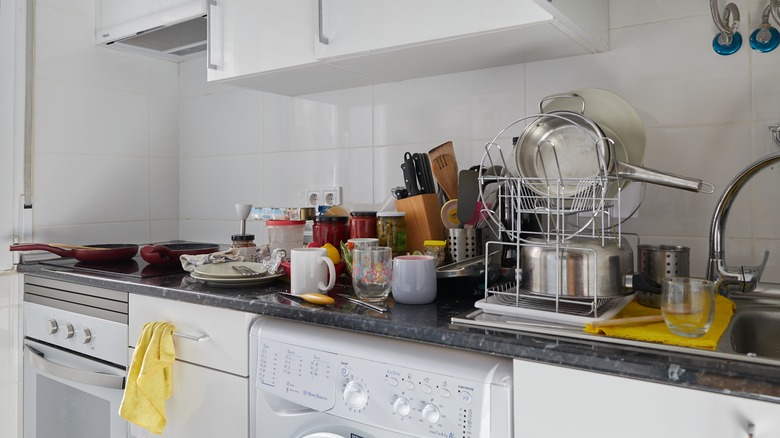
<point x="561" y="210"/>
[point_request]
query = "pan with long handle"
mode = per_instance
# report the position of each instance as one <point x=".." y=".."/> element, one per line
<point x="168" y="254"/>
<point x="109" y="252"/>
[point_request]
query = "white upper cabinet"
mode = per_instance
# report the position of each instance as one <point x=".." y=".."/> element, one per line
<point x="318" y="45"/>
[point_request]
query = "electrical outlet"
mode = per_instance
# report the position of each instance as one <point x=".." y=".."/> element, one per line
<point x="331" y="195"/>
<point x="313" y="198"/>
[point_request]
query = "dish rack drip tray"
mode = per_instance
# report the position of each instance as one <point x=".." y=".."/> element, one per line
<point x="508" y="299"/>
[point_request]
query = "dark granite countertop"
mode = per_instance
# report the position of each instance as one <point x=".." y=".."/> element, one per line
<point x="431" y="323"/>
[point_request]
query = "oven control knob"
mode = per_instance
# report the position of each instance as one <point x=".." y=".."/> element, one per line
<point x="68" y="331"/>
<point x="53" y="326"/>
<point x="402" y="407"/>
<point x="85" y="336"/>
<point x="354" y="395"/>
<point x="431" y="414"/>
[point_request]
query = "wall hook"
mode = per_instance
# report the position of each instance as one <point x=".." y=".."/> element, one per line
<point x="766" y="38"/>
<point x="728" y="41"/>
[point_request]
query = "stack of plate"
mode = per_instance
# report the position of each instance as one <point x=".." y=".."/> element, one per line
<point x="225" y="274"/>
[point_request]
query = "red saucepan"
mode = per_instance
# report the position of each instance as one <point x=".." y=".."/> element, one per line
<point x="168" y="254"/>
<point x="109" y="252"/>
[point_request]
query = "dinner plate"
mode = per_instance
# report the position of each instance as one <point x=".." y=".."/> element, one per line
<point x="243" y="281"/>
<point x="225" y="270"/>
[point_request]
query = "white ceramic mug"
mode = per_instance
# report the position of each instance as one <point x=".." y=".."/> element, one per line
<point x="414" y="279"/>
<point x="310" y="269"/>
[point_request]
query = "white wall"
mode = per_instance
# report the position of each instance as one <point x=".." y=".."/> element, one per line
<point x="706" y="116"/>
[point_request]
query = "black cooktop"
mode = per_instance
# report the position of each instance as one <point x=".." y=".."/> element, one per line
<point x="135" y="267"/>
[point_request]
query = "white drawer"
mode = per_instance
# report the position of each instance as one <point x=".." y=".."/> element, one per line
<point x="226" y="347"/>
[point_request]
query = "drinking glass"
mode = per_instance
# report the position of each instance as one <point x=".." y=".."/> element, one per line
<point x="372" y="272"/>
<point x="688" y="305"/>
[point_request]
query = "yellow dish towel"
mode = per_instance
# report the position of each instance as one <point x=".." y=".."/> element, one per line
<point x="658" y="332"/>
<point x="149" y="380"/>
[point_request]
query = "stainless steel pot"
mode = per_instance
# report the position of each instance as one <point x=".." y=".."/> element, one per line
<point x="580" y="268"/>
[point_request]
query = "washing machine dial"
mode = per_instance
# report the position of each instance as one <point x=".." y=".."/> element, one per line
<point x="431" y="414"/>
<point x="355" y="395"/>
<point x="402" y="406"/>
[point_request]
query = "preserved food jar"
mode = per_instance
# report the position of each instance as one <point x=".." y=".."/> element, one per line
<point x="330" y="229"/>
<point x="391" y="230"/>
<point x="435" y="249"/>
<point x="362" y="224"/>
<point x="245" y="243"/>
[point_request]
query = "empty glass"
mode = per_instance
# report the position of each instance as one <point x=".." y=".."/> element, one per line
<point x="372" y="272"/>
<point x="688" y="305"/>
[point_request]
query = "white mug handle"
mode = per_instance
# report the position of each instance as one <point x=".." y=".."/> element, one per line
<point x="332" y="275"/>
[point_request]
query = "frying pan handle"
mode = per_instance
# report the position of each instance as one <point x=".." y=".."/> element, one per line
<point x="639" y="173"/>
<point x="40" y="246"/>
<point x="562" y="96"/>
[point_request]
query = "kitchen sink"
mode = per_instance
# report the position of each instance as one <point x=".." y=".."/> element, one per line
<point x="755" y="330"/>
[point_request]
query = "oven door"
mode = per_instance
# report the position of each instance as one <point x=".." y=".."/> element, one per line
<point x="70" y="396"/>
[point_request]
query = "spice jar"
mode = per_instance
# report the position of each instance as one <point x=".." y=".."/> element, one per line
<point x="435" y="249"/>
<point x="362" y="224"/>
<point x="330" y="229"/>
<point x="245" y="243"/>
<point x="391" y="230"/>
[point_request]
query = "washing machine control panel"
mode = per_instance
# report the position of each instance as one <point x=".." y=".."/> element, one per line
<point x="385" y="386"/>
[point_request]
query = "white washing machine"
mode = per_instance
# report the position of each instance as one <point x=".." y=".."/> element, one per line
<point x="309" y="381"/>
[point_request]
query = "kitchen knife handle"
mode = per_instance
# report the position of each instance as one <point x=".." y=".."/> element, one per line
<point x="410" y="175"/>
<point x="422" y="176"/>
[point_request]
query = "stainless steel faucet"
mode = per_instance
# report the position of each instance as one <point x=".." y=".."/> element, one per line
<point x="734" y="279"/>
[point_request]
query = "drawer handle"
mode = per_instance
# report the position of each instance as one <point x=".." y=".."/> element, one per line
<point x="201" y="338"/>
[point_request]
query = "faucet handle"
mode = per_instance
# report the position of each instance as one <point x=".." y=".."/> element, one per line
<point x="752" y="274"/>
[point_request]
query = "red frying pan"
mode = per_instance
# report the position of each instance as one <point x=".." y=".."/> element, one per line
<point x="109" y="252"/>
<point x="168" y="254"/>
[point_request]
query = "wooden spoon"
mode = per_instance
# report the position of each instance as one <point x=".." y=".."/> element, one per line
<point x="445" y="168"/>
<point x="66" y="246"/>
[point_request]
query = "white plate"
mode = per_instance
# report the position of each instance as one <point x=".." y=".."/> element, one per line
<point x="225" y="270"/>
<point x="243" y="281"/>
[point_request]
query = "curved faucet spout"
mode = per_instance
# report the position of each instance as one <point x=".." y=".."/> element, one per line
<point x="733" y="279"/>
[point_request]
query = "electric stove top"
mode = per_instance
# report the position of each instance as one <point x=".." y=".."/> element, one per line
<point x="136" y="267"/>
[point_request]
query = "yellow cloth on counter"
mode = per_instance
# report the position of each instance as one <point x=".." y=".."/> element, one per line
<point x="149" y="380"/>
<point x="659" y="332"/>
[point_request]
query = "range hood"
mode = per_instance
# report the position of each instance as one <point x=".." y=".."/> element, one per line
<point x="175" y="33"/>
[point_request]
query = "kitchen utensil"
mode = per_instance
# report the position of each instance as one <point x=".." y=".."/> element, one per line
<point x="377" y="306"/>
<point x="243" y="210"/>
<point x="312" y="298"/>
<point x="688" y="305"/>
<point x="580" y="267"/>
<point x="464" y="243"/>
<point x="246" y="272"/>
<point x="656" y="263"/>
<point x="636" y="320"/>
<point x="110" y="252"/>
<point x="311" y="270"/>
<point x="414" y="279"/>
<point x="410" y="175"/>
<point x="424" y="175"/>
<point x="167" y="254"/>
<point x="468" y="193"/>
<point x="228" y="269"/>
<point x="66" y="246"/>
<point x="423" y="220"/>
<point x="445" y="168"/>
<point x="449" y="214"/>
<point x="372" y="272"/>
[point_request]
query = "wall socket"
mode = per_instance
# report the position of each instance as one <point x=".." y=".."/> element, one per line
<point x="316" y="196"/>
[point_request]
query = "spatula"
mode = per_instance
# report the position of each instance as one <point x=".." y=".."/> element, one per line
<point x="445" y="168"/>
<point x="468" y="193"/>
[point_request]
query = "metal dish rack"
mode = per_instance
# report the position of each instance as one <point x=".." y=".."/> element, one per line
<point x="561" y="209"/>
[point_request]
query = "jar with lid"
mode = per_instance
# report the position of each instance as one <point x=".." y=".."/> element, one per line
<point x="362" y="224"/>
<point x="435" y="249"/>
<point x="391" y="230"/>
<point x="245" y="243"/>
<point x="330" y="229"/>
<point x="285" y="235"/>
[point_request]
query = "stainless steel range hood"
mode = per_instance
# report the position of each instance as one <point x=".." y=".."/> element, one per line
<point x="176" y="33"/>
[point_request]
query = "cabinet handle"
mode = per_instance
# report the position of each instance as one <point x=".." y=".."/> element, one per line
<point x="102" y="380"/>
<point x="323" y="38"/>
<point x="210" y="17"/>
<point x="201" y="338"/>
<point x="751" y="429"/>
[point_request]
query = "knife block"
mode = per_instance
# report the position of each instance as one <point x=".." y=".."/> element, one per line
<point x="423" y="220"/>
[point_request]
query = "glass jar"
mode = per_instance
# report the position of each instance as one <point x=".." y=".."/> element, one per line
<point x="362" y="224"/>
<point x="285" y="235"/>
<point x="435" y="249"/>
<point x="330" y="229"/>
<point x="245" y="243"/>
<point x="391" y="230"/>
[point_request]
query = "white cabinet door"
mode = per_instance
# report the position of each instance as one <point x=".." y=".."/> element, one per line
<point x="205" y="403"/>
<point x="561" y="402"/>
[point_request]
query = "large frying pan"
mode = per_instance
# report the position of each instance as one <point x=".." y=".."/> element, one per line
<point x="168" y="254"/>
<point x="101" y="253"/>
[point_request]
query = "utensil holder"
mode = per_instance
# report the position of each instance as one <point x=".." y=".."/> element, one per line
<point x="464" y="243"/>
<point x="423" y="220"/>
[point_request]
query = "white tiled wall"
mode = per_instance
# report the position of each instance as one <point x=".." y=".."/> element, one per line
<point x="706" y="116"/>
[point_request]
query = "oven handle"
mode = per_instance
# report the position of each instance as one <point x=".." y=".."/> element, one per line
<point x="73" y="374"/>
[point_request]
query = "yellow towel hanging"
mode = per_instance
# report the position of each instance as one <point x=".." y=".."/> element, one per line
<point x="149" y="380"/>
